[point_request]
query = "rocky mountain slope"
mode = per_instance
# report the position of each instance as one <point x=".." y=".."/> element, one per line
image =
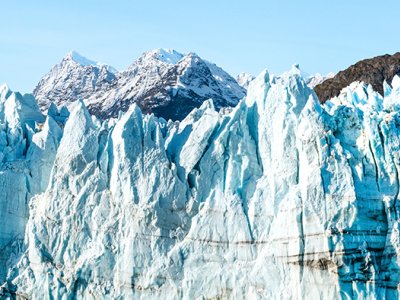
<point x="282" y="198"/>
<point x="372" y="71"/>
<point x="164" y="82"/>
<point x="75" y="76"/>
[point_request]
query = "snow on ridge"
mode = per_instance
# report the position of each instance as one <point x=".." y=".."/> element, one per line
<point x="169" y="55"/>
<point x="83" y="61"/>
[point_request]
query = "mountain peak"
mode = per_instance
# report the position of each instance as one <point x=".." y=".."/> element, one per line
<point x="192" y="55"/>
<point x="161" y="81"/>
<point x="170" y="56"/>
<point x="80" y="59"/>
<point x="74" y="76"/>
<point x="192" y="58"/>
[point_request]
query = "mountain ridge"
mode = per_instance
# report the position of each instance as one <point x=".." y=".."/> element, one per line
<point x="372" y="71"/>
<point x="162" y="81"/>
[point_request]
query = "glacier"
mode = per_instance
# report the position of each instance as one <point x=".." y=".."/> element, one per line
<point x="278" y="198"/>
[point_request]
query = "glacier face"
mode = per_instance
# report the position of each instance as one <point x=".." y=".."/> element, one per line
<point x="244" y="79"/>
<point x="280" y="198"/>
<point x="28" y="145"/>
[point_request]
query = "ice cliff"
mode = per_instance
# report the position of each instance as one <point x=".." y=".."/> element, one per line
<point x="280" y="198"/>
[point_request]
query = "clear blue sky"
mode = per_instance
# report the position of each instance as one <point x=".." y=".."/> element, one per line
<point x="321" y="36"/>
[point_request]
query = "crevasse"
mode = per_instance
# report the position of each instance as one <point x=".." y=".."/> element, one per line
<point x="280" y="198"/>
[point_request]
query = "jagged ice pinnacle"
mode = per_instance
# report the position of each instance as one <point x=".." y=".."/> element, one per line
<point x="280" y="198"/>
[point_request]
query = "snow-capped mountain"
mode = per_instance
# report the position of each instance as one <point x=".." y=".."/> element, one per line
<point x="164" y="82"/>
<point x="317" y="78"/>
<point x="244" y="79"/>
<point x="282" y="198"/>
<point x="75" y="76"/>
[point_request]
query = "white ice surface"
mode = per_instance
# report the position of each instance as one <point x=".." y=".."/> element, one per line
<point x="281" y="198"/>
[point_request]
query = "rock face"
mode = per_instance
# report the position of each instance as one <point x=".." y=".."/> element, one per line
<point x="164" y="82"/>
<point x="372" y="71"/>
<point x="282" y="198"/>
